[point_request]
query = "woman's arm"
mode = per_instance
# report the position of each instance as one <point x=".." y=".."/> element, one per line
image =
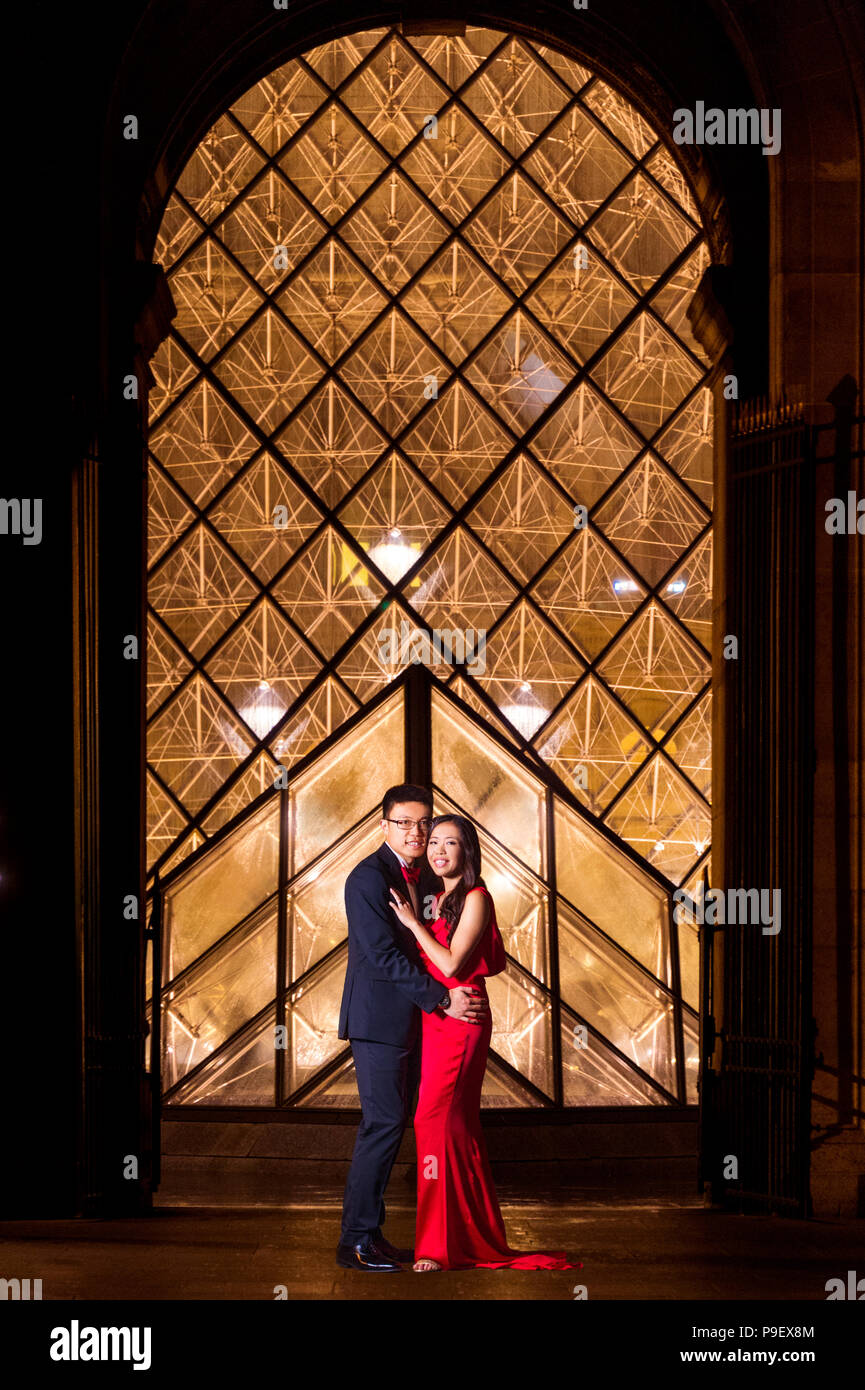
<point x="372" y="930"/>
<point x="469" y="930"/>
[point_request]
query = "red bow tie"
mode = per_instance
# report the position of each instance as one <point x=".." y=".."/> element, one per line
<point x="411" y="875"/>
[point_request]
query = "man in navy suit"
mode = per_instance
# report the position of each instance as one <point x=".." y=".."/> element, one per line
<point x="385" y="987"/>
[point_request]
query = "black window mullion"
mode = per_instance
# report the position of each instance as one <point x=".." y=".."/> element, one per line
<point x="553" y="929"/>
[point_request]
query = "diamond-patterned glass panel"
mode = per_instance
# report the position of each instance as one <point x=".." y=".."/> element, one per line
<point x="328" y="591"/>
<point x="489" y="785"/>
<point x="332" y="300"/>
<point x="517" y="233"/>
<point x="216" y="892"/>
<point x="522" y="1023"/>
<point x="431" y="395"/>
<point x="270" y="230"/>
<point x="650" y="518"/>
<point x="219" y="168"/>
<point x="460" y="586"/>
<point x="332" y="163"/>
<point x="523" y="518"/>
<point x="277" y="106"/>
<point x="202" y="442"/>
<point x="589" y="591"/>
<point x="529" y="669"/>
<point x="655" y="669"/>
<point x="580" y="302"/>
<point x="663" y="818"/>
<point x="593" y="1074"/>
<point x="213" y="297"/>
<point x="330" y="442"/>
<point x="220" y="995"/>
<point x="593" y="745"/>
<point x="457" y="165"/>
<point x="326" y="709"/>
<point x="456" y="302"/>
<point x="646" y="374"/>
<point x="392" y="95"/>
<point x="457" y="443"/>
<point x="641" y="233"/>
<point x="608" y="889"/>
<point x="585" y="445"/>
<point x="241" y="1073"/>
<point x="394" y="517"/>
<point x="515" y="97"/>
<point x="521" y="371"/>
<point x="578" y="165"/>
<point x="394" y="232"/>
<point x="262" y="667"/>
<point x="391" y="370"/>
<point x="264" y="517"/>
<point x="311" y="1022"/>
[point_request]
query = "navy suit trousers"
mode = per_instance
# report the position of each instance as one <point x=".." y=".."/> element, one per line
<point x="387" y="1079"/>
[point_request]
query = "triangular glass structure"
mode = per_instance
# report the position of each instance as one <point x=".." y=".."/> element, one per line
<point x="432" y="373"/>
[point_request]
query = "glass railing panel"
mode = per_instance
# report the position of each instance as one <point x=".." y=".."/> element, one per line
<point x="503" y="1092"/>
<point x="616" y="998"/>
<point x="315" y="902"/>
<point x="243" y="1075"/>
<point x="594" y="1075"/>
<point x="345" y="782"/>
<point x="219" y="996"/>
<point x="522" y="1028"/>
<point x="520" y="899"/>
<point x="691" y="1030"/>
<point x="611" y="891"/>
<point x="312" y="1022"/>
<point x="221" y="888"/>
<point x="490" y="785"/>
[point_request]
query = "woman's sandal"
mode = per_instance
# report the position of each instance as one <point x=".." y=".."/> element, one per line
<point x="424" y="1266"/>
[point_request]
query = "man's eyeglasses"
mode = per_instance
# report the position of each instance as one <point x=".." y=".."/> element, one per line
<point x="424" y="825"/>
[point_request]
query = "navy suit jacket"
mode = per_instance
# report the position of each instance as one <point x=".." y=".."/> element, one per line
<point x="385" y="982"/>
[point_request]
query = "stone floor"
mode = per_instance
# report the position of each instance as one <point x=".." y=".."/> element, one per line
<point x="633" y="1245"/>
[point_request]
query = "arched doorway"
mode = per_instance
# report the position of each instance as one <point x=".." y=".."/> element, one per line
<point x="432" y="372"/>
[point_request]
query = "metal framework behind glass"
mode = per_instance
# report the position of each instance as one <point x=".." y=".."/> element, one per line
<point x="432" y="303"/>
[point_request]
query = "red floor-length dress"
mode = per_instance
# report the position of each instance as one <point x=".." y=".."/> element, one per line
<point x="459" y="1222"/>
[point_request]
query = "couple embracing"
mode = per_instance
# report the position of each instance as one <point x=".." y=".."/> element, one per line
<point x="415" y="1009"/>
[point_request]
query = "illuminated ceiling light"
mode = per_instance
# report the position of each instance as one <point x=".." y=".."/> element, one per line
<point x="659" y="847"/>
<point x="533" y="386"/>
<point x="393" y="556"/>
<point x="526" y="712"/>
<point x="677" y="586"/>
<point x="625" y="586"/>
<point x="263" y="710"/>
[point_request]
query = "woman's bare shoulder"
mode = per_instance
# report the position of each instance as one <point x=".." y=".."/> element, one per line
<point x="481" y="888"/>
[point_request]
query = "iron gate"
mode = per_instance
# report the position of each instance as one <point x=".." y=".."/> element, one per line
<point x="757" y="1069"/>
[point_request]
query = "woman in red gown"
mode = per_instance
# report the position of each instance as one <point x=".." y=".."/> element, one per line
<point x="459" y="1222"/>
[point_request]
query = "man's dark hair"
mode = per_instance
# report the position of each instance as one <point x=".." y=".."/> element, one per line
<point x="407" y="792"/>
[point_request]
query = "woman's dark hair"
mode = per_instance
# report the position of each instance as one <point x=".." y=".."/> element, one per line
<point x="451" y="905"/>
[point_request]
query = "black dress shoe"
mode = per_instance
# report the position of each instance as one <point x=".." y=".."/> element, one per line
<point x="382" y="1244"/>
<point x="367" y="1256"/>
